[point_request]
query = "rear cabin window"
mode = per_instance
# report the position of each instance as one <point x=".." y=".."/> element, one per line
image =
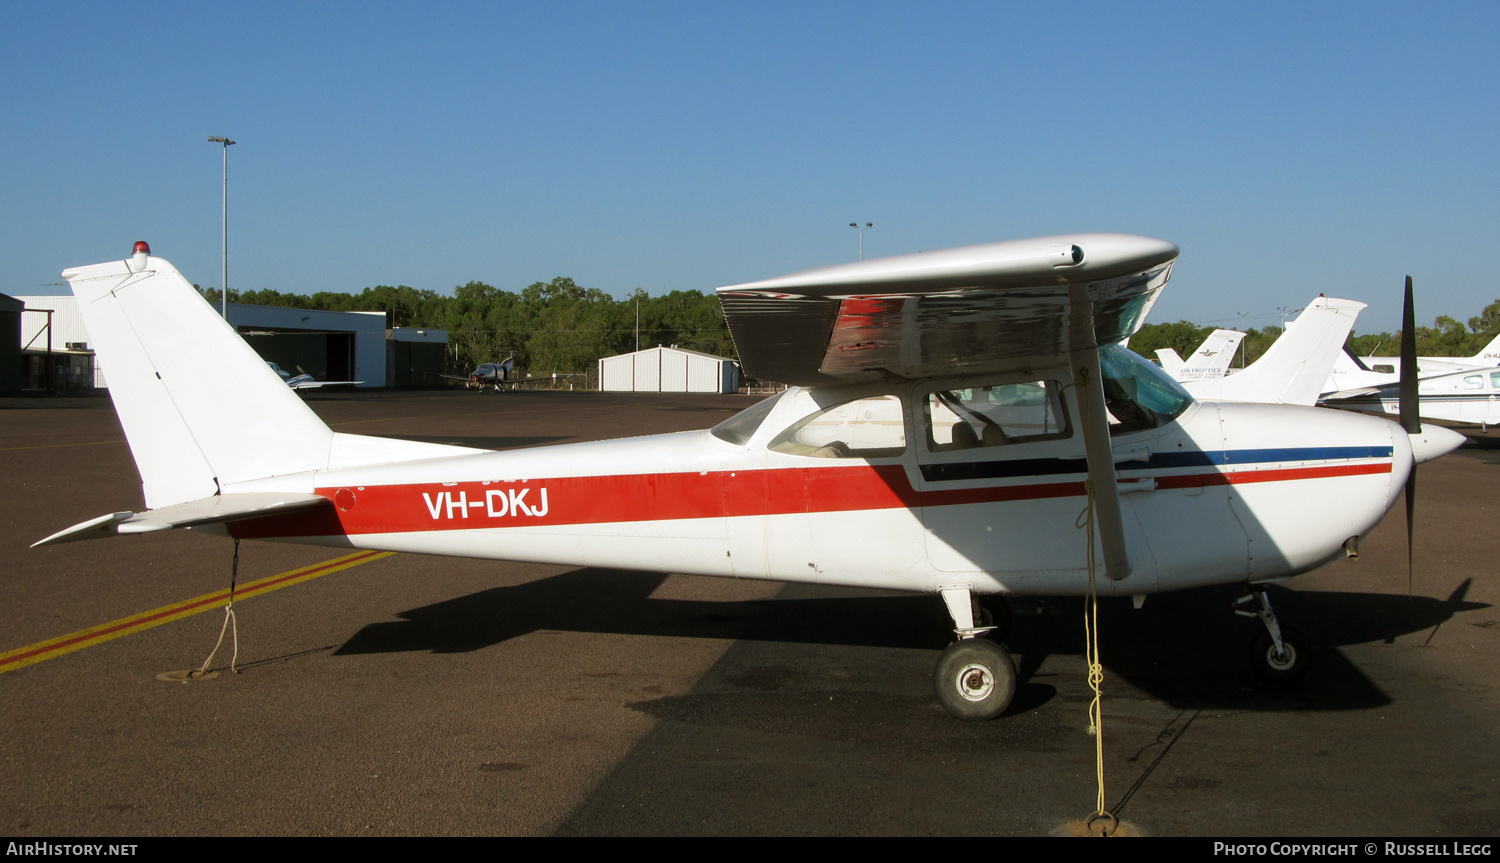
<point x="871" y="427"/>
<point x="998" y="415"/>
<point x="739" y="428"/>
<point x="1473" y="382"/>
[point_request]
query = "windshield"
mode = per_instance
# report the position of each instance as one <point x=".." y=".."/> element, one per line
<point x="739" y="428"/>
<point x="1138" y="393"/>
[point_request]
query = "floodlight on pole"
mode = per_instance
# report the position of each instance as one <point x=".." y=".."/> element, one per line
<point x="861" y="230"/>
<point x="224" y="281"/>
<point x="1244" y="321"/>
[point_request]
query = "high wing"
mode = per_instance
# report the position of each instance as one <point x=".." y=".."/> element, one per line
<point x="954" y="311"/>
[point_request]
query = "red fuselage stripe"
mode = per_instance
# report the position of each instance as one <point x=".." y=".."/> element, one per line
<point x="657" y="497"/>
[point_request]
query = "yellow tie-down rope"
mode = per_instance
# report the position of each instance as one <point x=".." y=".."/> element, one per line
<point x="1085" y="522"/>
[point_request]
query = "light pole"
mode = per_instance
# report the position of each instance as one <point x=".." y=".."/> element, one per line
<point x="224" y="281"/>
<point x="1286" y="310"/>
<point x="1244" y="317"/>
<point x="856" y="226"/>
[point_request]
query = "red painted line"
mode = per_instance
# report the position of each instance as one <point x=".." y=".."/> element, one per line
<point x="1277" y="475"/>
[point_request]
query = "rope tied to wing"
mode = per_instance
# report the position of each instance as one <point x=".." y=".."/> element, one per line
<point x="1085" y="522"/>
<point x="231" y="623"/>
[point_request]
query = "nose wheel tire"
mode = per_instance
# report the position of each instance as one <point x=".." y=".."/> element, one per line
<point x="975" y="679"/>
<point x="1285" y="667"/>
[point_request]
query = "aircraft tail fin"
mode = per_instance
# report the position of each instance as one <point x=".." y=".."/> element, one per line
<point x="201" y="410"/>
<point x="1489" y="354"/>
<point x="1171" y="363"/>
<point x="1212" y="358"/>
<point x="1296" y="367"/>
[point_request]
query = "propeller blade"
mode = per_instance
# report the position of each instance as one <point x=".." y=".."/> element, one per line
<point x="1411" y="526"/>
<point x="1411" y="419"/>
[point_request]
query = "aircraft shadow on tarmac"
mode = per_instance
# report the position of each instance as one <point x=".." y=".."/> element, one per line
<point x="1186" y="648"/>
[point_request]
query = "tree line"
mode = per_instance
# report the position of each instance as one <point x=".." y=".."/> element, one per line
<point x="1447" y="337"/>
<point x="556" y="326"/>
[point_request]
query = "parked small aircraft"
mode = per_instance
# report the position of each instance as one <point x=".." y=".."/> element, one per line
<point x="1210" y="360"/>
<point x="1488" y="357"/>
<point x="304" y="381"/>
<point x="951" y="415"/>
<point x="1352" y="373"/>
<point x="491" y="375"/>
<point x="1460" y="398"/>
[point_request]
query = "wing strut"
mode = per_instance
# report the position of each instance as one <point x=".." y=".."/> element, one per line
<point x="1088" y="381"/>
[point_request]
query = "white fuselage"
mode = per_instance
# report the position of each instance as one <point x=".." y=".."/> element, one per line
<point x="1220" y="494"/>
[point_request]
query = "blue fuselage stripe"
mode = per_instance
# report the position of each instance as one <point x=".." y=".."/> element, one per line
<point x="1006" y="469"/>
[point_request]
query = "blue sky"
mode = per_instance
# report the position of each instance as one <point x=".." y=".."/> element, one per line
<point x="1287" y="150"/>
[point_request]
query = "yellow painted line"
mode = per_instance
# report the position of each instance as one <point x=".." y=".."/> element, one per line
<point x="44" y="650"/>
<point x="56" y="445"/>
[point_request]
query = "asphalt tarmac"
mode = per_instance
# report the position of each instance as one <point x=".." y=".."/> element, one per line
<point x="411" y="695"/>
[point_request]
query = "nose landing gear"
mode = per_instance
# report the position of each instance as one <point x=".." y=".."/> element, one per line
<point x="1279" y="654"/>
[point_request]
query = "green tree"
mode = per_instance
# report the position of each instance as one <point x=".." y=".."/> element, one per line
<point x="1182" y="337"/>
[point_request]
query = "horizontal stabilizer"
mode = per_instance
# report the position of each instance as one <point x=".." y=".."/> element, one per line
<point x="1351" y="394"/>
<point x="219" y="509"/>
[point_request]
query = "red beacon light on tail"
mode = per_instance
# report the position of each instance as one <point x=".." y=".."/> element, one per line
<point x="138" y="256"/>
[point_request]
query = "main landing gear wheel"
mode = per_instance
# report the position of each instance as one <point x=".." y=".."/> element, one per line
<point x="1285" y="667"/>
<point x="975" y="679"/>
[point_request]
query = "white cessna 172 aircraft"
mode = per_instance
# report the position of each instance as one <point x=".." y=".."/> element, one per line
<point x="953" y="413"/>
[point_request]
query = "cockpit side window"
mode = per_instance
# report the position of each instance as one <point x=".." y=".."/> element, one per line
<point x="995" y="415"/>
<point x="872" y="427"/>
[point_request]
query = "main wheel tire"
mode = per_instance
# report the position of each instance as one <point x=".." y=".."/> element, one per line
<point x="975" y="679"/>
<point x="1270" y="667"/>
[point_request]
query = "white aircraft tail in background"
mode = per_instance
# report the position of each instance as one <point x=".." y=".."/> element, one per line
<point x="1211" y="359"/>
<point x="1295" y="369"/>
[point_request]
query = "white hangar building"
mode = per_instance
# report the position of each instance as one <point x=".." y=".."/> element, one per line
<point x="668" y="370"/>
<point x="332" y="346"/>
